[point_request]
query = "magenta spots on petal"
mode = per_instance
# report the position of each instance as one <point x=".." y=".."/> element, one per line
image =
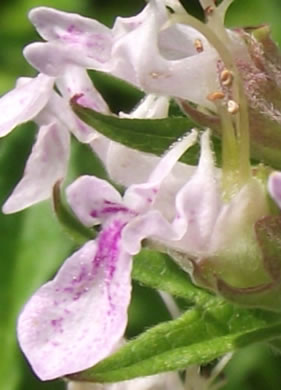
<point x="108" y="253"/>
<point x="57" y="323"/>
<point x="111" y="208"/>
<point x="72" y="29"/>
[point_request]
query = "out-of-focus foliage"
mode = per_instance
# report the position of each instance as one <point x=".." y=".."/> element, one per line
<point x="33" y="244"/>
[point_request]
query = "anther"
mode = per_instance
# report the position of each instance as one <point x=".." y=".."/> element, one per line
<point x="209" y="10"/>
<point x="226" y="77"/>
<point x="217" y="95"/>
<point x="232" y="107"/>
<point x="154" y="75"/>
<point x="198" y="45"/>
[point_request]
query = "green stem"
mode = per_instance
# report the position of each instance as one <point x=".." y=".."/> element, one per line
<point x="241" y="117"/>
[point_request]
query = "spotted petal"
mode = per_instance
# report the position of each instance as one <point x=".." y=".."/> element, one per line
<point x="93" y="199"/>
<point x="92" y="37"/>
<point x="77" y="319"/>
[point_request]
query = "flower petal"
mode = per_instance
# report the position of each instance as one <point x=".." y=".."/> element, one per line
<point x="73" y="29"/>
<point x="75" y="81"/>
<point x="93" y="199"/>
<point x="142" y="196"/>
<point x="52" y="58"/>
<point x="24" y="102"/>
<point x="197" y="205"/>
<point x="46" y="165"/>
<point x="274" y="187"/>
<point x="150" y="225"/>
<point x="76" y="320"/>
<point x="192" y="77"/>
<point x="198" y="202"/>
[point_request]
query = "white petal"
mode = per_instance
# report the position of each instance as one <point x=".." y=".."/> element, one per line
<point x="46" y="165"/>
<point x="24" y="102"/>
<point x="76" y="320"/>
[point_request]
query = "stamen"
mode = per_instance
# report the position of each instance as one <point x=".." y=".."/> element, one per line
<point x="209" y="10"/>
<point x="217" y="95"/>
<point x="232" y="107"/>
<point x="198" y="45"/>
<point x="226" y="77"/>
<point x="155" y="75"/>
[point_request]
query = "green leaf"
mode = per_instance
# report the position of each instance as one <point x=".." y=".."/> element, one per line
<point x="73" y="227"/>
<point x="159" y="271"/>
<point x="197" y="337"/>
<point x="147" y="135"/>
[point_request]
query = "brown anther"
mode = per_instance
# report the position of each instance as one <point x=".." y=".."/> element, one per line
<point x="209" y="10"/>
<point x="226" y="77"/>
<point x="154" y="75"/>
<point x="198" y="45"/>
<point x="217" y="95"/>
<point x="232" y="107"/>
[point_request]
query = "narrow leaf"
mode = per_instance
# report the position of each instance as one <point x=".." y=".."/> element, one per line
<point x="147" y="135"/>
<point x="78" y="232"/>
<point x="197" y="337"/>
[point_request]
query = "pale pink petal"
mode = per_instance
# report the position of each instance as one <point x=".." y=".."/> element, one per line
<point x="141" y="197"/>
<point x="150" y="225"/>
<point x="24" y="102"/>
<point x="125" y="172"/>
<point x="75" y="81"/>
<point x="59" y="108"/>
<point x="240" y="215"/>
<point x="52" y="58"/>
<point x="93" y="199"/>
<point x="198" y="202"/>
<point x="151" y="107"/>
<point x="274" y="187"/>
<point x="76" y="320"/>
<point x="46" y="165"/>
<point x="178" y="41"/>
<point x="197" y="206"/>
<point x="192" y="77"/>
<point x="134" y="167"/>
<point x="73" y="30"/>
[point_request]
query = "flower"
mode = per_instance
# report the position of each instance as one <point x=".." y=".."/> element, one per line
<point x="34" y="99"/>
<point x="68" y="324"/>
<point x="166" y="62"/>
<point x="180" y="57"/>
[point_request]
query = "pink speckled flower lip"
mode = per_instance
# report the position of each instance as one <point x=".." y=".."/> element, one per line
<point x="76" y="320"/>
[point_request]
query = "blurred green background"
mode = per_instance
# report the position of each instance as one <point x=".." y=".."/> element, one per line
<point x="33" y="244"/>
